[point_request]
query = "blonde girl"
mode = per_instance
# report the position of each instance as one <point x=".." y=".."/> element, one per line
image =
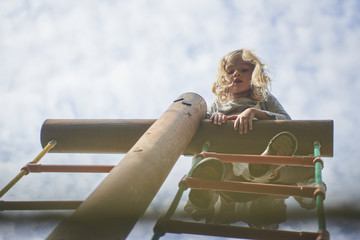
<point x="242" y="92"/>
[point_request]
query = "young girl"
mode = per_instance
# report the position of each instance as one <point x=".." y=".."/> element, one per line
<point x="242" y="94"/>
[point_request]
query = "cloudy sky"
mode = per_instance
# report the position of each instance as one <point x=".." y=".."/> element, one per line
<point x="129" y="59"/>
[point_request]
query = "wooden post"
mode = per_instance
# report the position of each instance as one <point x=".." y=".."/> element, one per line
<point x="114" y="207"/>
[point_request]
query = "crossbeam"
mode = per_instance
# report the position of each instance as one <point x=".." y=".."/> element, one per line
<point x="176" y="226"/>
<point x="249" y="187"/>
<point x="118" y="136"/>
<point x="39" y="168"/>
<point x="39" y="205"/>
<point x="263" y="159"/>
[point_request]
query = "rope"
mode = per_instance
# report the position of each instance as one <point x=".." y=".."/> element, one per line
<point x="23" y="172"/>
<point x="158" y="232"/>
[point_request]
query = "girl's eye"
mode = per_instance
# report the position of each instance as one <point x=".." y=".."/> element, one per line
<point x="230" y="72"/>
<point x="244" y="70"/>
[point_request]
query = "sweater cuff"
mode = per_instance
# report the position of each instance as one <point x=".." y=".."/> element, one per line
<point x="271" y="115"/>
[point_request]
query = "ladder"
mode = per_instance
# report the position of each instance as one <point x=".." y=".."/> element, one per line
<point x="168" y="225"/>
<point x="35" y="167"/>
<point x="147" y="143"/>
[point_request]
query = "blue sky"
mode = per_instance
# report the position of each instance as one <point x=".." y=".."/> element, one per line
<point x="130" y="59"/>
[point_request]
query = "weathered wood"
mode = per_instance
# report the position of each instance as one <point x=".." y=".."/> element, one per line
<point x="114" y="207"/>
<point x="224" y="139"/>
<point x="94" y="135"/>
<point x="118" y="136"/>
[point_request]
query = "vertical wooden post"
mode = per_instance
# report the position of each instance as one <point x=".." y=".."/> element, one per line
<point x="114" y="207"/>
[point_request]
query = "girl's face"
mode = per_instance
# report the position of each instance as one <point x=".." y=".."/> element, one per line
<point x="238" y="73"/>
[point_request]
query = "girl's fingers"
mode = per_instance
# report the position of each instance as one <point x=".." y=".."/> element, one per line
<point x="251" y="124"/>
<point x="218" y="119"/>
<point x="219" y="122"/>
<point x="236" y="124"/>
<point x="243" y="125"/>
<point x="240" y="125"/>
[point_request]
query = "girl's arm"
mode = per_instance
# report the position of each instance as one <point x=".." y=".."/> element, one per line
<point x="271" y="110"/>
<point x="274" y="109"/>
<point x="243" y="121"/>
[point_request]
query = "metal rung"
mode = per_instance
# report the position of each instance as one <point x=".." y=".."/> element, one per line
<point x="22" y="173"/>
<point x="39" y="205"/>
<point x="30" y="167"/>
<point x="175" y="226"/>
<point x="262" y="159"/>
<point x="247" y="187"/>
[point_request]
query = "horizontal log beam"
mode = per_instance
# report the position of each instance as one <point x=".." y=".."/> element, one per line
<point x="118" y="136"/>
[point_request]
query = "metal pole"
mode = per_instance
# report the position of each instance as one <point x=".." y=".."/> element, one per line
<point x="39" y="205"/>
<point x="23" y="172"/>
<point x="319" y="198"/>
<point x="249" y="187"/>
<point x="262" y="159"/>
<point x="39" y="168"/>
<point x="114" y="207"/>
<point x="175" y="226"/>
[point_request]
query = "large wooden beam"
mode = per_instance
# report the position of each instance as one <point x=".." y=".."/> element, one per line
<point x="118" y="136"/>
<point x="114" y="207"/>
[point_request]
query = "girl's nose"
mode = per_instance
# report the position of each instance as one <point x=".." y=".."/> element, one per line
<point x="237" y="73"/>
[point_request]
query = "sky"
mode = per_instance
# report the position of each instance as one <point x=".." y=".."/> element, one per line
<point x="112" y="59"/>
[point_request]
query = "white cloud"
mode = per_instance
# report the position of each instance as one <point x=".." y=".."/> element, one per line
<point x="105" y="59"/>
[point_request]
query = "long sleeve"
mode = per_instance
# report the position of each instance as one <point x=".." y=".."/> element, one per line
<point x="274" y="109"/>
<point x="212" y="109"/>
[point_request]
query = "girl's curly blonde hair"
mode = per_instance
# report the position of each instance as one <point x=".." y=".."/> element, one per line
<point x="260" y="82"/>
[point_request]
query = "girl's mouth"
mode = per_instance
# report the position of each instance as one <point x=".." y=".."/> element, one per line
<point x="237" y="81"/>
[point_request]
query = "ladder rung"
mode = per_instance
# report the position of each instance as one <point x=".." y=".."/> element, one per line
<point x="262" y="159"/>
<point x="248" y="187"/>
<point x="39" y="205"/>
<point x="175" y="226"/>
<point x="30" y="167"/>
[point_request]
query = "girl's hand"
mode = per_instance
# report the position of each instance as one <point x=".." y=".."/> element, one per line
<point x="218" y="118"/>
<point x="244" y="121"/>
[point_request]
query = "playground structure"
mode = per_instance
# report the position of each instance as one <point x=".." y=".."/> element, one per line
<point x="152" y="148"/>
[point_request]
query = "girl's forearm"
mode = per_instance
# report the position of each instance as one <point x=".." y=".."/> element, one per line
<point x="260" y="114"/>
